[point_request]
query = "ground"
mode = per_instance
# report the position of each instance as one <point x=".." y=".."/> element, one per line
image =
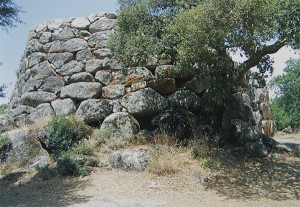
<point x="265" y="183"/>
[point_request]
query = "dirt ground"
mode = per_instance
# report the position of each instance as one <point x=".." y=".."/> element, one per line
<point x="262" y="183"/>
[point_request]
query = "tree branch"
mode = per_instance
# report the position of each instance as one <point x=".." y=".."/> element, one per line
<point x="255" y="58"/>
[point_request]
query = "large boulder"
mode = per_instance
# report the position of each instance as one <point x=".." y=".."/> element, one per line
<point x="185" y="99"/>
<point x="59" y="59"/>
<point x="93" y="110"/>
<point x="129" y="160"/>
<point x="71" y="68"/>
<point x="145" y="102"/>
<point x="179" y="123"/>
<point x="63" y="107"/>
<point x="42" y="112"/>
<point x="121" y="125"/>
<point x="99" y="39"/>
<point x="113" y="91"/>
<point x="26" y="150"/>
<point x="102" y="24"/>
<point x="74" y="45"/>
<point x="163" y="86"/>
<point x="81" y="91"/>
<point x="36" y="98"/>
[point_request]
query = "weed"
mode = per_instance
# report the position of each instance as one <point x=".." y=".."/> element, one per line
<point x="66" y="165"/>
<point x="64" y="132"/>
<point x="83" y="149"/>
<point x="4" y="141"/>
<point x="210" y="163"/>
<point x="163" y="164"/>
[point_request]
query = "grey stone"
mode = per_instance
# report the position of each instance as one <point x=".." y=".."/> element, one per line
<point x="163" y="86"/>
<point x="19" y="147"/>
<point x="23" y="148"/>
<point x="71" y="68"/>
<point x="116" y="105"/>
<point x="165" y="59"/>
<point x="138" y="74"/>
<point x="40" y="27"/>
<point x="141" y="103"/>
<point x="122" y="126"/>
<point x="41" y="71"/>
<point x="22" y="109"/>
<point x="113" y="64"/>
<point x="59" y="59"/>
<point x="45" y="37"/>
<point x="257" y="149"/>
<point x="63" y="107"/>
<point x="34" y="46"/>
<point x="113" y="91"/>
<point x="32" y="85"/>
<point x="74" y="45"/>
<point x="93" y="110"/>
<point x="80" y="23"/>
<point x="129" y="160"/>
<point x="36" y="58"/>
<point x="185" y="99"/>
<point x="266" y="111"/>
<point x="54" y="47"/>
<point x="198" y="84"/>
<point x="53" y="84"/>
<point x="104" y="76"/>
<point x="81" y="91"/>
<point x="138" y="86"/>
<point x="84" y="55"/>
<point x="37" y="97"/>
<point x="41" y="112"/>
<point x="55" y="24"/>
<point x="92" y="66"/>
<point x="102" y="53"/>
<point x="66" y="34"/>
<point x="165" y="71"/>
<point x="99" y="39"/>
<point x="102" y="24"/>
<point x="6" y="123"/>
<point x="151" y="63"/>
<point x="81" y="77"/>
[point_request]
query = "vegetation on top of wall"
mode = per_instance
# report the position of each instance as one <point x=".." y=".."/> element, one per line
<point x="201" y="36"/>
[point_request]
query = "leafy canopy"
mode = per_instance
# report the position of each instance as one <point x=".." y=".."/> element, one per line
<point x="201" y="35"/>
<point x="286" y="105"/>
<point x="9" y="14"/>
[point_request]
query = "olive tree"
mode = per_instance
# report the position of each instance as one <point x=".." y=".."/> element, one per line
<point x="201" y="35"/>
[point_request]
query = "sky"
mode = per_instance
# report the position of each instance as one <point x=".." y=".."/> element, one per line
<point x="13" y="42"/>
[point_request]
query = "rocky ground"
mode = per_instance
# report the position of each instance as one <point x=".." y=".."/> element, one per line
<point x="267" y="182"/>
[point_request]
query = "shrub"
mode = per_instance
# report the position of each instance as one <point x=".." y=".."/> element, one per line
<point x="4" y="141"/>
<point x="3" y="107"/>
<point x="64" y="133"/>
<point x="66" y="165"/>
<point x="163" y="164"/>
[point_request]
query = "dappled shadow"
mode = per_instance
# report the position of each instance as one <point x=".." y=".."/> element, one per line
<point x="255" y="179"/>
<point x="26" y="189"/>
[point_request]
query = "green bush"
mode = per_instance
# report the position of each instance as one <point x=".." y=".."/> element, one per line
<point x="66" y="165"/>
<point x="64" y="132"/>
<point x="3" y="107"/>
<point x="4" y="141"/>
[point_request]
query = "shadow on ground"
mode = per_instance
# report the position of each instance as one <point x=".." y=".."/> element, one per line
<point x="17" y="190"/>
<point x="276" y="180"/>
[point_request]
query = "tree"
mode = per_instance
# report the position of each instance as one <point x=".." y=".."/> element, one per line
<point x="9" y="14"/>
<point x="201" y="36"/>
<point x="286" y="105"/>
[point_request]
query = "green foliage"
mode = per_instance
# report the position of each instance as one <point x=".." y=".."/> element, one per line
<point x="4" y="140"/>
<point x="9" y="14"/>
<point x="286" y="105"/>
<point x="210" y="163"/>
<point x="66" y="165"/>
<point x="83" y="149"/>
<point x="64" y="132"/>
<point x="201" y="36"/>
<point x="3" y="107"/>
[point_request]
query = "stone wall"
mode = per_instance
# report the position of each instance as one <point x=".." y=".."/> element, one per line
<point x="68" y="69"/>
